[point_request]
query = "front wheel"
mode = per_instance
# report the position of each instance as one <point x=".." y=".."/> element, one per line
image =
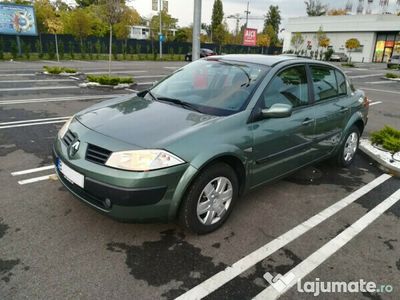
<point x="348" y="149"/>
<point x="209" y="199"/>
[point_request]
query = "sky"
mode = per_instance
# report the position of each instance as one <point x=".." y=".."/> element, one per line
<point x="183" y="9"/>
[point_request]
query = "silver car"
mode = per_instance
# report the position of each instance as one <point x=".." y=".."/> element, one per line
<point x="394" y="61"/>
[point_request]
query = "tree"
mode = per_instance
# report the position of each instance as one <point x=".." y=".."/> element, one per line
<point x="168" y="22"/>
<point x="273" y="36"/>
<point x="297" y="40"/>
<point x="217" y="17"/>
<point x="55" y="26"/>
<point x="220" y="33"/>
<point x="129" y="18"/>
<point x="322" y="40"/>
<point x="43" y="11"/>
<point x="86" y="3"/>
<point x="352" y="44"/>
<point x="315" y="8"/>
<point x="337" y="12"/>
<point x="79" y="23"/>
<point x="263" y="40"/>
<point x="273" y="18"/>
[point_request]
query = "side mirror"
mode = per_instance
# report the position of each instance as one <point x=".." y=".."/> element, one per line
<point x="277" y="110"/>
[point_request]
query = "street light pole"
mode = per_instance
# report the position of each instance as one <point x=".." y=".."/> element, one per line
<point x="196" y="30"/>
<point x="160" y="35"/>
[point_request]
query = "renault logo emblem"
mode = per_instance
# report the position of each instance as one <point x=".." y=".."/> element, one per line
<point x="73" y="148"/>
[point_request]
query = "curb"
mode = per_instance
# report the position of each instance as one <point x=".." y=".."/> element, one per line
<point x="383" y="158"/>
<point x="391" y="79"/>
<point x="98" y="85"/>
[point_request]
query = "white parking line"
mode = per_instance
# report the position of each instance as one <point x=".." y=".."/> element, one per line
<point x="151" y="76"/>
<point x="214" y="282"/>
<point x="145" y="83"/>
<point x="13" y="74"/>
<point x="36" y="80"/>
<point x="74" y="98"/>
<point x="377" y="90"/>
<point x="40" y="169"/>
<point x="116" y="72"/>
<point x="35" y="179"/>
<point x="327" y="250"/>
<point x="366" y="76"/>
<point x="40" y="88"/>
<point x="375" y="103"/>
<point x="33" y="121"/>
<point x="380" y="82"/>
<point x="33" y="124"/>
<point x="172" y="68"/>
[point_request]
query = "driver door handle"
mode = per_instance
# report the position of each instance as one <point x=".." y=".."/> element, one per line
<point x="343" y="109"/>
<point x="307" y="121"/>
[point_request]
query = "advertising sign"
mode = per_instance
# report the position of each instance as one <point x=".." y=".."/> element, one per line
<point x="250" y="37"/>
<point x="17" y="19"/>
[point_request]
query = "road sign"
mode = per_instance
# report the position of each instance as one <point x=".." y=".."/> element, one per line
<point x="165" y="5"/>
<point x="250" y="37"/>
<point x="154" y="5"/>
<point x="161" y="38"/>
<point x="17" y="19"/>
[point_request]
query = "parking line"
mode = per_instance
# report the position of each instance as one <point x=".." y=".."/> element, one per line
<point x="37" y="80"/>
<point x="380" y="82"/>
<point x="35" y="179"/>
<point x="145" y="83"/>
<point x="366" y="76"/>
<point x="40" y="88"/>
<point x="327" y="250"/>
<point x="23" y="172"/>
<point x="74" y="98"/>
<point x="214" y="282"/>
<point x="21" y="74"/>
<point x="377" y="90"/>
<point x="375" y="103"/>
<point x="116" y="72"/>
<point x="151" y="76"/>
<point x="32" y="124"/>
<point x="33" y="121"/>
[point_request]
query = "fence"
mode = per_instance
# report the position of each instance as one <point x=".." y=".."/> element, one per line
<point x="45" y="43"/>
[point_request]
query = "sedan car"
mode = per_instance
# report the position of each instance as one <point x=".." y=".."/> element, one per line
<point x="394" y="62"/>
<point x="194" y="143"/>
<point x="203" y="53"/>
<point x="340" y="57"/>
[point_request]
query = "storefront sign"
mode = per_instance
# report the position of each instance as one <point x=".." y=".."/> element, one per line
<point x="250" y="37"/>
<point x="17" y="19"/>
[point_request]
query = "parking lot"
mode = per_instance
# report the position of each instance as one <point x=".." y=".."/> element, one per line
<point x="53" y="246"/>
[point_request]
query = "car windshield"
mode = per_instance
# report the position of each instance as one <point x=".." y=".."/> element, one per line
<point x="214" y="87"/>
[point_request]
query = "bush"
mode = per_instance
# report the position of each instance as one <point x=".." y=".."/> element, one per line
<point x="328" y="54"/>
<point x="61" y="50"/>
<point x="59" y="70"/>
<point x="97" y="47"/>
<point x="394" y="67"/>
<point x="14" y="50"/>
<point x="388" y="138"/>
<point x="109" y="80"/>
<point x="1" y="48"/>
<point x="71" y="49"/>
<point x="51" y="52"/>
<point x="392" y="75"/>
<point x="350" y="65"/>
<point x="27" y="50"/>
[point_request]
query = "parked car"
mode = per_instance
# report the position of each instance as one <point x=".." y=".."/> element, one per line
<point x="215" y="129"/>
<point x="394" y="61"/>
<point x="339" y="56"/>
<point x="296" y="55"/>
<point x="203" y="53"/>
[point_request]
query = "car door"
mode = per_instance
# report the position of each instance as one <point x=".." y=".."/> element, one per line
<point x="331" y="107"/>
<point x="281" y="145"/>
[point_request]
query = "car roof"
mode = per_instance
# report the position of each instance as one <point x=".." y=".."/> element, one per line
<point x="267" y="60"/>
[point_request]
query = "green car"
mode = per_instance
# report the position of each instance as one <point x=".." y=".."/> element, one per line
<point x="195" y="142"/>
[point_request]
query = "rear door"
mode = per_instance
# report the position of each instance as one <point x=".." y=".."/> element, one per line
<point x="331" y="107"/>
<point x="281" y="145"/>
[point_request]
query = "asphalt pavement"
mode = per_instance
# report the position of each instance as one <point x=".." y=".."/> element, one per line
<point x="323" y="224"/>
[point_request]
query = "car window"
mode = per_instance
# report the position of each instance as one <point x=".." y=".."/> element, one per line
<point x="341" y="83"/>
<point x="288" y="87"/>
<point x="324" y="81"/>
<point x="395" y="57"/>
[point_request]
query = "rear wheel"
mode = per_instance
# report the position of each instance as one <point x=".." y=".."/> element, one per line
<point x="210" y="199"/>
<point x="348" y="149"/>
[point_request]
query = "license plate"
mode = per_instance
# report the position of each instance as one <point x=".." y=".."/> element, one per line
<point x="71" y="175"/>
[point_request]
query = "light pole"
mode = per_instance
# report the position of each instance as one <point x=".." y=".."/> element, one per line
<point x="196" y="30"/>
<point x="160" y="35"/>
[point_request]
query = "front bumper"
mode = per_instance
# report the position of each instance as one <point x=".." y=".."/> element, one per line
<point x="123" y="195"/>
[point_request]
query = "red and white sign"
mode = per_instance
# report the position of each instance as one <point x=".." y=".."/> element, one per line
<point x="250" y="37"/>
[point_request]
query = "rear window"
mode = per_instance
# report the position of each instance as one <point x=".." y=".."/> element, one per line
<point x="324" y="81"/>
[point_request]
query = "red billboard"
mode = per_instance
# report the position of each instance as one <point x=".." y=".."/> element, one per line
<point x="250" y="37"/>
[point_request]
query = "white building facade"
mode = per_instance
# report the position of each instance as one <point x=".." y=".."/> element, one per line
<point x="379" y="35"/>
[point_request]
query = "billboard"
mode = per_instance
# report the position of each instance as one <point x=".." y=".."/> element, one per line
<point x="250" y="37"/>
<point x="17" y="19"/>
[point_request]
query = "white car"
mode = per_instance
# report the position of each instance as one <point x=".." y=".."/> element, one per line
<point x="394" y="61"/>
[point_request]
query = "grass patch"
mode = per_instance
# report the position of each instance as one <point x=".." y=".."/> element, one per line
<point x="394" y="67"/>
<point x="392" y="75"/>
<point x="59" y="70"/>
<point x="388" y="138"/>
<point x="350" y="65"/>
<point x="109" y="80"/>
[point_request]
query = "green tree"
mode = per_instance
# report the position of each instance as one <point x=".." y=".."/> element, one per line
<point x="216" y="18"/>
<point x="78" y="23"/>
<point x="168" y="22"/>
<point x="43" y="11"/>
<point x="273" y="18"/>
<point x="86" y="3"/>
<point x="315" y="8"/>
<point x="129" y="18"/>
<point x="270" y="31"/>
<point x="351" y="45"/>
<point x="297" y="40"/>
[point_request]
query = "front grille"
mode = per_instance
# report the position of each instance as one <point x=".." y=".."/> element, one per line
<point x="68" y="138"/>
<point x="97" y="154"/>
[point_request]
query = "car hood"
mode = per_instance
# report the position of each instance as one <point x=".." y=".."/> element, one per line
<point x="141" y="122"/>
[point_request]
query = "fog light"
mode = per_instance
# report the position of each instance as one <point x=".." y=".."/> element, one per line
<point x="107" y="203"/>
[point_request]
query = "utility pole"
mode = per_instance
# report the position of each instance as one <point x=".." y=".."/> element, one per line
<point x="160" y="35"/>
<point x="247" y="12"/>
<point x="196" y="30"/>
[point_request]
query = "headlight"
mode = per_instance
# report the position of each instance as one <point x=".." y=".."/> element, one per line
<point x="143" y="160"/>
<point x="64" y="129"/>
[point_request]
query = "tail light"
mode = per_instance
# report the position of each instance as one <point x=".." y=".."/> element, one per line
<point x="366" y="102"/>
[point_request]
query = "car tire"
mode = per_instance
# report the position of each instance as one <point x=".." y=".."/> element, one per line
<point x="214" y="181"/>
<point x="348" y="149"/>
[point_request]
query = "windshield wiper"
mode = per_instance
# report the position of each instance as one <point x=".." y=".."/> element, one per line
<point x="152" y="95"/>
<point x="179" y="102"/>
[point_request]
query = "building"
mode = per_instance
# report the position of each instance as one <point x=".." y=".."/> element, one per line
<point x="143" y="32"/>
<point x="379" y="35"/>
